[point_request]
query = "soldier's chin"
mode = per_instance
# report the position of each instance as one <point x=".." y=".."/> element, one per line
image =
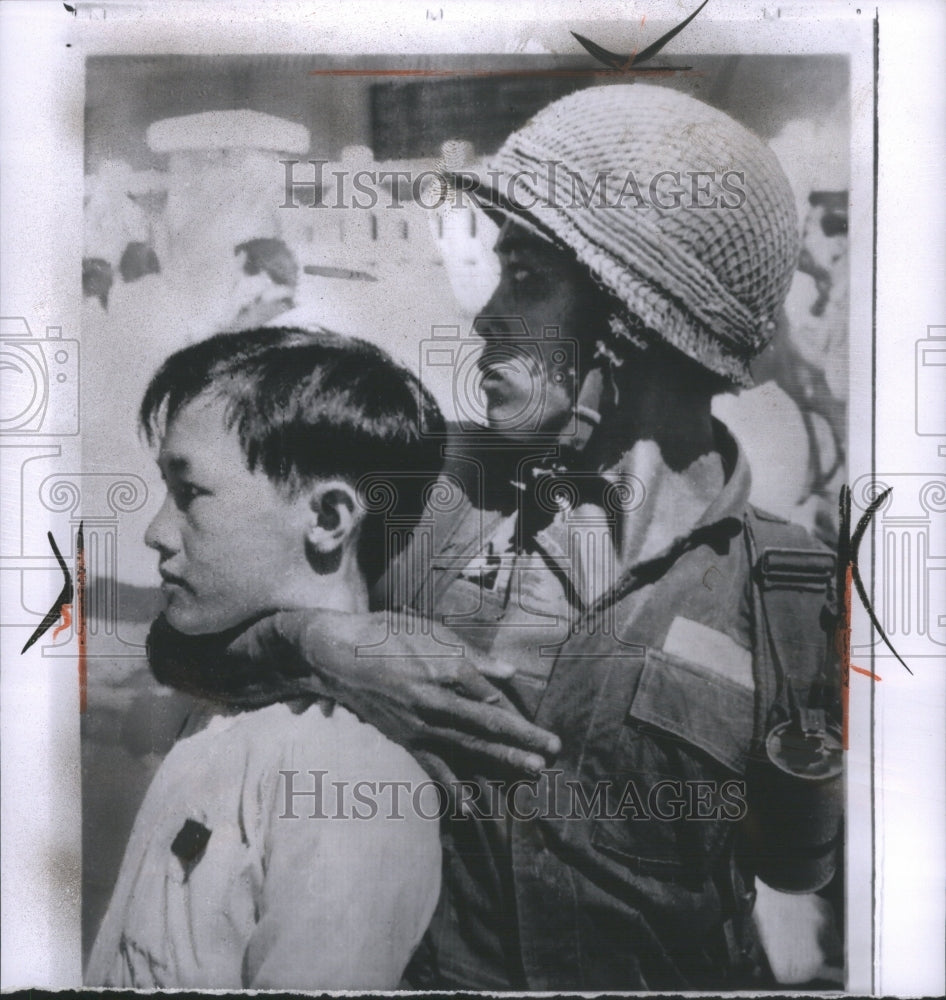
<point x="520" y="423"/>
<point x="507" y="426"/>
<point x="508" y="416"/>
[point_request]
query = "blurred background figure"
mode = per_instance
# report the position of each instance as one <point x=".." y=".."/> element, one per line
<point x="272" y="274"/>
<point x="97" y="278"/>
<point x="118" y="228"/>
<point x="113" y="216"/>
<point x="138" y="260"/>
<point x="222" y="191"/>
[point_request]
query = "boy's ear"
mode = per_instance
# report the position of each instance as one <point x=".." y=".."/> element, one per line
<point x="336" y="513"/>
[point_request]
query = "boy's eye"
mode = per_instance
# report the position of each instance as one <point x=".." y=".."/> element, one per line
<point x="184" y="494"/>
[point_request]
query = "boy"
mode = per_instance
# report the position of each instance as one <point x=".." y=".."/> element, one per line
<point x="236" y="874"/>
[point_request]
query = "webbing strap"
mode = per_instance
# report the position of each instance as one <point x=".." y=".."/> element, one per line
<point x="796" y="569"/>
<point x="791" y="591"/>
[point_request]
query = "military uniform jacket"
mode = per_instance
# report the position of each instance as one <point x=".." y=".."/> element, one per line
<point x="616" y="868"/>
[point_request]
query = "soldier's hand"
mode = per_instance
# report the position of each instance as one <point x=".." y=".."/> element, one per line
<point x="391" y="673"/>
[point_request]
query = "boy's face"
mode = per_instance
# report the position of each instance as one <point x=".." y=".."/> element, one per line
<point x="231" y="544"/>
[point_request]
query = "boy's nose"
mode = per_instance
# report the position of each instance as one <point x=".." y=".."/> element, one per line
<point x="160" y="534"/>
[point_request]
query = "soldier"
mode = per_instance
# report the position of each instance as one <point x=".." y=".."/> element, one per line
<point x="668" y="639"/>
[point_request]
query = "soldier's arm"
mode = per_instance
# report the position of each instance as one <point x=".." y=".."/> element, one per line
<point x="392" y="678"/>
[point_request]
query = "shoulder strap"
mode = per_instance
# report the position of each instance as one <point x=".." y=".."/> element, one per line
<point x="792" y="582"/>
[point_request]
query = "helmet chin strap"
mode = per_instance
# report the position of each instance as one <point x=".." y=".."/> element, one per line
<point x="597" y="397"/>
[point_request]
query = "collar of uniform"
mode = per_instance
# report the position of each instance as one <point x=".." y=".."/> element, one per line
<point x="734" y="495"/>
<point x="721" y="520"/>
<point x="732" y="499"/>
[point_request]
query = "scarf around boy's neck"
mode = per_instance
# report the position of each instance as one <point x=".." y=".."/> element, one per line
<point x="198" y="665"/>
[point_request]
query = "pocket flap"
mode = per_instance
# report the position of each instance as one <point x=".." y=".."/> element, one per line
<point x="698" y="706"/>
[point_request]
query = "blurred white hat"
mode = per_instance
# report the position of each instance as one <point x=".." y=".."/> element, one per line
<point x="241" y="129"/>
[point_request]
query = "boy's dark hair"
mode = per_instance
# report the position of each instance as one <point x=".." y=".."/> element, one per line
<point x="312" y="405"/>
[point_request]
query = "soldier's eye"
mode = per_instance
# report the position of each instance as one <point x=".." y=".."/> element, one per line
<point x="520" y="275"/>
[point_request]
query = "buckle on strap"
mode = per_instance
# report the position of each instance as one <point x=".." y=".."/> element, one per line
<point x="798" y="569"/>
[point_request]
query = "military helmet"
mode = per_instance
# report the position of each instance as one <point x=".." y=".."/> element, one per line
<point x="682" y="214"/>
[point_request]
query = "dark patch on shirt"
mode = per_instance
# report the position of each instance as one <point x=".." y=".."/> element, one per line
<point x="190" y="843"/>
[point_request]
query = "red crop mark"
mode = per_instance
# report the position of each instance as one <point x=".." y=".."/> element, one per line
<point x="66" y="613"/>
<point x="633" y="56"/>
<point x="866" y="673"/>
<point x="81" y="620"/>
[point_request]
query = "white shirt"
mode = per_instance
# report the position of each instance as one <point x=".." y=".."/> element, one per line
<point x="270" y="901"/>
